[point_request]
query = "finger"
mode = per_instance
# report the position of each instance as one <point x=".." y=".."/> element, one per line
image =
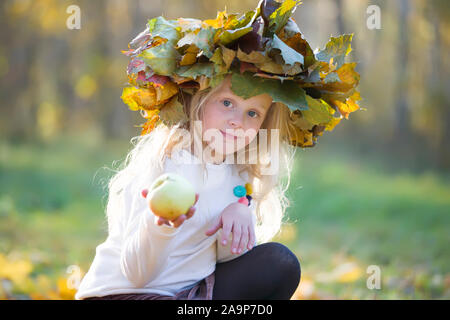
<point x="237" y="232"/>
<point x="144" y="193"/>
<point x="178" y="221"/>
<point x="244" y="239"/>
<point x="190" y="212"/>
<point x="159" y="220"/>
<point x="162" y="221"/>
<point x="252" y="237"/>
<point x="197" y="195"/>
<point x="226" y="230"/>
<point x="216" y="226"/>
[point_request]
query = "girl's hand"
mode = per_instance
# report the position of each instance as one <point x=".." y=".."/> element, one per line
<point x="178" y="221"/>
<point x="236" y="218"/>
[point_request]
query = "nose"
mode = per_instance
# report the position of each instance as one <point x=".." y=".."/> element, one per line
<point x="235" y="122"/>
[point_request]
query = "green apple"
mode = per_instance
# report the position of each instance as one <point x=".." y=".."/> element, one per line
<point x="170" y="196"/>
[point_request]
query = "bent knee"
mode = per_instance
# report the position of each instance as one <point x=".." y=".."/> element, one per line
<point x="284" y="261"/>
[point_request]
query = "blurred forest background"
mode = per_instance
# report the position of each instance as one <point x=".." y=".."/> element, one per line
<point x="374" y="191"/>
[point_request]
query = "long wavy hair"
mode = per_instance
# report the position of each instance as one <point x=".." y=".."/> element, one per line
<point x="145" y="161"/>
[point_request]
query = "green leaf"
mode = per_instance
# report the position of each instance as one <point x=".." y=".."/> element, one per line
<point x="222" y="58"/>
<point x="151" y="24"/>
<point x="197" y="69"/>
<point x="281" y="15"/>
<point x="217" y="56"/>
<point x="290" y="93"/>
<point x="236" y="28"/>
<point x="331" y="77"/>
<point x="314" y="76"/>
<point x="318" y="111"/>
<point x="189" y="24"/>
<point x="188" y="38"/>
<point x="162" y="59"/>
<point x="205" y="41"/>
<point x="246" y="19"/>
<point x="217" y="79"/>
<point x="229" y="36"/>
<point x="160" y="27"/>
<point x="290" y="56"/>
<point x="336" y="48"/>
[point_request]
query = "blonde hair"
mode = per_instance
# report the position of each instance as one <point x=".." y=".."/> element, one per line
<point x="146" y="161"/>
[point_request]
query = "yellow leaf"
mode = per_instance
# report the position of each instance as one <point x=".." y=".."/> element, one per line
<point x="228" y="56"/>
<point x="17" y="270"/>
<point x="64" y="291"/>
<point x="253" y="57"/>
<point x="333" y="122"/>
<point x="152" y="121"/>
<point x="343" y="273"/>
<point x="306" y="290"/>
<point x="219" y="21"/>
<point x="190" y="57"/>
<point x="165" y="92"/>
<point x="347" y="73"/>
<point x="301" y="138"/>
<point x="139" y="98"/>
<point x="349" y="272"/>
<point x="43" y="286"/>
<point x="347" y="107"/>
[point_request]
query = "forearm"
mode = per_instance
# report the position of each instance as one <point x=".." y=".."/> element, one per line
<point x="145" y="251"/>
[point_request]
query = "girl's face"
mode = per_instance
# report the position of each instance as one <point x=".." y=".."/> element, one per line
<point x="233" y="118"/>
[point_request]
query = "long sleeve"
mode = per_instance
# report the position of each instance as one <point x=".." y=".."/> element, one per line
<point x="146" y="246"/>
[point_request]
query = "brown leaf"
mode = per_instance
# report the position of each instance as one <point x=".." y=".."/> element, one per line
<point x="172" y="112"/>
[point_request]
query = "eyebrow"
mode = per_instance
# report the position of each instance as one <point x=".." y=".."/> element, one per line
<point x="260" y="108"/>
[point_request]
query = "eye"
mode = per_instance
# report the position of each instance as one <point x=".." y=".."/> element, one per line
<point x="255" y="114"/>
<point x="227" y="103"/>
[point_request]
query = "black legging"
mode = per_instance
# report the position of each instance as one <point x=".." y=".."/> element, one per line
<point x="268" y="271"/>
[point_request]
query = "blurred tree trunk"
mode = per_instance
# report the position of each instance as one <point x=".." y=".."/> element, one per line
<point x="340" y="17"/>
<point x="402" y="128"/>
<point x="17" y="92"/>
<point x="437" y="89"/>
<point x="107" y="102"/>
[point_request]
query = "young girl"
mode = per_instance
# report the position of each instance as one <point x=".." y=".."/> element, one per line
<point x="216" y="250"/>
<point x="247" y="84"/>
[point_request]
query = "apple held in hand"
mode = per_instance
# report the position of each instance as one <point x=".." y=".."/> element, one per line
<point x="170" y="196"/>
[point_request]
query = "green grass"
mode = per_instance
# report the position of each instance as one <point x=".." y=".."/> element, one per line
<point x="52" y="200"/>
<point x="396" y="220"/>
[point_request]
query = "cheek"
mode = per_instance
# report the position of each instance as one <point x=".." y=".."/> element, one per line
<point x="211" y="116"/>
<point x="256" y="125"/>
<point x="252" y="130"/>
<point x="211" y="119"/>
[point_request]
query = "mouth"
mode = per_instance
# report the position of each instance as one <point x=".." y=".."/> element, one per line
<point x="228" y="136"/>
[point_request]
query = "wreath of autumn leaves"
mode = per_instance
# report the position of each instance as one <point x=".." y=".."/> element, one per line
<point x="264" y="51"/>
